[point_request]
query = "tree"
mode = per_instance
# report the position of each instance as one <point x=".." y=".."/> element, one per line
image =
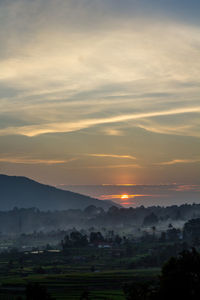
<point x="96" y="237"/>
<point x="35" y="291"/>
<point x="76" y="239"/>
<point x="173" y="234"/>
<point x="85" y="295"/>
<point x="140" y="291"/>
<point x="180" y="277"/>
<point x="113" y="210"/>
<point x="163" y="237"/>
<point x="117" y="240"/>
<point x="153" y="230"/>
<point x="191" y="229"/>
<point x="150" y="220"/>
<point x="90" y="210"/>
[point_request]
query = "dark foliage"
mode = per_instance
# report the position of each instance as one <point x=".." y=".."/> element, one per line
<point x="191" y="230"/>
<point x="22" y="220"/>
<point x="180" y="279"/>
<point x="150" y="220"/>
<point x="35" y="291"/>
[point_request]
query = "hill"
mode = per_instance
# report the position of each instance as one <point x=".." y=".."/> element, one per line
<point x="23" y="192"/>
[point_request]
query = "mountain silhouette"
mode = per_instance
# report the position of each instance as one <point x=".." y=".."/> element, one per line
<point x="23" y="192"/>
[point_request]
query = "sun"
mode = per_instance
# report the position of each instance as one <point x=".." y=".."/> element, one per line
<point x="124" y="196"/>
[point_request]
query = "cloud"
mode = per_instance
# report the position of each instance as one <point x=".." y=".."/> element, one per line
<point x="103" y="63"/>
<point x="34" y="130"/>
<point x="110" y="196"/>
<point x="113" y="156"/>
<point x="172" y="128"/>
<point x="109" y="73"/>
<point x="147" y="195"/>
<point x="186" y="188"/>
<point x="112" y="131"/>
<point x="179" y="161"/>
<point x="114" y="166"/>
<point x="33" y="161"/>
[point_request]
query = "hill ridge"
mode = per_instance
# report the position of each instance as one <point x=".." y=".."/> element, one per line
<point x="23" y="192"/>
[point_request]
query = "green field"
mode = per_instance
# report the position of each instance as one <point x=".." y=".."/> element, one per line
<point x="101" y="285"/>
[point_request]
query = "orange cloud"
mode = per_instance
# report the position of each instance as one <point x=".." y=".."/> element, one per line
<point x="120" y="196"/>
<point x="179" y="161"/>
<point x="113" y="156"/>
<point x="33" y="161"/>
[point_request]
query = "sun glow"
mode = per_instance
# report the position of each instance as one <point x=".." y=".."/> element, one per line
<point x="124" y="196"/>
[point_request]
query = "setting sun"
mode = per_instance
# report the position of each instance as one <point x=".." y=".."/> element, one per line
<point x="124" y="196"/>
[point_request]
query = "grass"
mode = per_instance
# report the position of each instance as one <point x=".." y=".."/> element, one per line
<point x="67" y="277"/>
<point x="101" y="285"/>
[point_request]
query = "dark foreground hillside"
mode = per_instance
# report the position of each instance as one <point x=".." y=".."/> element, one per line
<point x="23" y="192"/>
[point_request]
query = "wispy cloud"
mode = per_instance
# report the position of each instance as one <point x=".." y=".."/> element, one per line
<point x="129" y="196"/>
<point x="181" y="129"/>
<point x="115" y="166"/>
<point x="186" y="188"/>
<point x="33" y="130"/>
<point x="147" y="195"/>
<point x="86" y="68"/>
<point x="101" y="71"/>
<point x="113" y="131"/>
<point x="179" y="161"/>
<point x="113" y="156"/>
<point x="33" y="161"/>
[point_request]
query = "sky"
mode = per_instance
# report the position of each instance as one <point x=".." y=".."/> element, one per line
<point x="100" y="91"/>
<point x="136" y="195"/>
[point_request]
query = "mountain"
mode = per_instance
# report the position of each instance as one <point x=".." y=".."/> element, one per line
<point x="23" y="192"/>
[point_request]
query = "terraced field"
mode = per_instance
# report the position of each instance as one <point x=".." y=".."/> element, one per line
<point x="100" y="285"/>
